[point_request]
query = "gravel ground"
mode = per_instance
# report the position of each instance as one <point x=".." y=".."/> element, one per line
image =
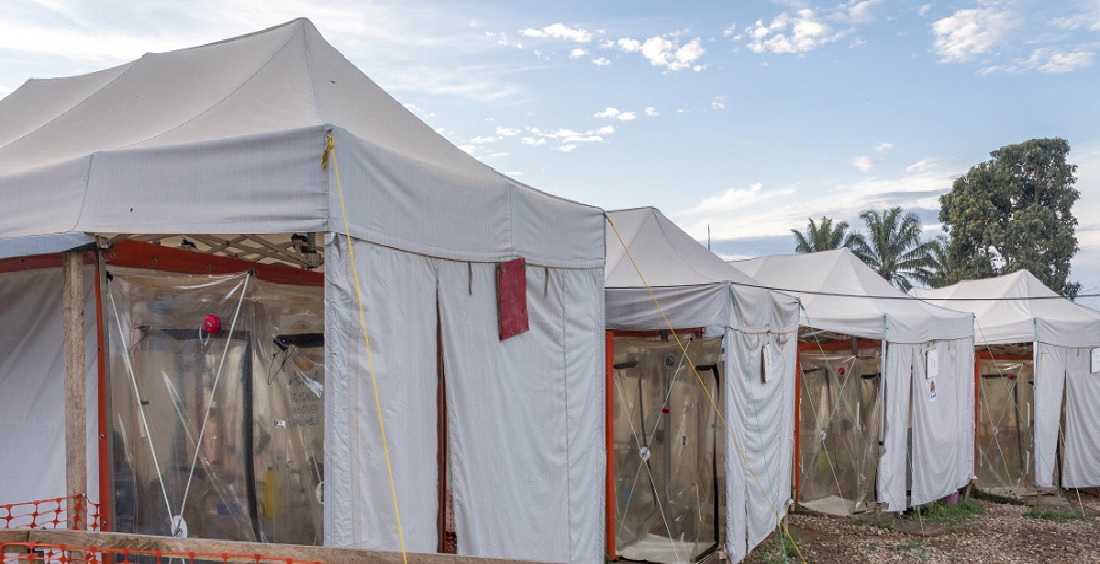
<point x="1003" y="534"/>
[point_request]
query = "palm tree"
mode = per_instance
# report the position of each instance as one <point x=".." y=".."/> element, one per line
<point x="894" y="248"/>
<point x="825" y="237"/>
<point x="938" y="266"/>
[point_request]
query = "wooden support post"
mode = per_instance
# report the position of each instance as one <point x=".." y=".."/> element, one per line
<point x="76" y="437"/>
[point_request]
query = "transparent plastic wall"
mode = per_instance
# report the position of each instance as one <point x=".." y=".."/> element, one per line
<point x="209" y="415"/>
<point x="665" y="448"/>
<point x="840" y="423"/>
<point x="288" y="385"/>
<point x="1004" y="431"/>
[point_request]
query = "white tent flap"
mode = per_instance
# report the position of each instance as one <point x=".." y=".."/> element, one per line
<point x="1081" y="461"/>
<point x="398" y="290"/>
<point x="521" y="465"/>
<point x="943" y="422"/>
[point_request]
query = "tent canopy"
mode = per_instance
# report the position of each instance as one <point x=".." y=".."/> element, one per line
<point x="694" y="287"/>
<point x="228" y="138"/>
<point x="840" y="293"/>
<point x="1004" y="314"/>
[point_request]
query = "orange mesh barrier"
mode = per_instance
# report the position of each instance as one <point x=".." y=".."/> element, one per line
<point x="48" y="553"/>
<point x="74" y="512"/>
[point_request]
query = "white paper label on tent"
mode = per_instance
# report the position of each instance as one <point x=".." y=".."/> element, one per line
<point x="931" y="389"/>
<point x="933" y="364"/>
<point x="1095" y="364"/>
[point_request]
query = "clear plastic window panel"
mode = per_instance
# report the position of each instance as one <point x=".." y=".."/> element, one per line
<point x="216" y="391"/>
<point x="1004" y="432"/>
<point x="665" y="448"/>
<point x="840" y="423"/>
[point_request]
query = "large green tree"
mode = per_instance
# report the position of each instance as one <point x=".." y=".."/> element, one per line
<point x="894" y="248"/>
<point x="1014" y="212"/>
<point x="825" y="236"/>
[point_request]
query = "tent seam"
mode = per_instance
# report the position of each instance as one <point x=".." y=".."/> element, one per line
<point x="224" y="98"/>
<point x="130" y="65"/>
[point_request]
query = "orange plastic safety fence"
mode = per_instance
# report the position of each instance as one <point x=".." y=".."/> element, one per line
<point x="75" y="512"/>
<point x="47" y="553"/>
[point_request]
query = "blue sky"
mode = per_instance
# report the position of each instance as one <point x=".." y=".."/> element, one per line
<point x="744" y="117"/>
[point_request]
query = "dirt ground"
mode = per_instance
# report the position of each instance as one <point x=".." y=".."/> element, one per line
<point x="1003" y="534"/>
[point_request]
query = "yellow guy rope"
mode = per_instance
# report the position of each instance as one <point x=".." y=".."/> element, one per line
<point x="699" y="379"/>
<point x="330" y="149"/>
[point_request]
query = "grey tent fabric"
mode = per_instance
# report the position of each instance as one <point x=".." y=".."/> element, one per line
<point x="1018" y="308"/>
<point x="840" y="294"/>
<point x="651" y="261"/>
<point x="228" y="138"/>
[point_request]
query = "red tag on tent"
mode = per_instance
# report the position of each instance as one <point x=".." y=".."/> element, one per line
<point x="512" y="298"/>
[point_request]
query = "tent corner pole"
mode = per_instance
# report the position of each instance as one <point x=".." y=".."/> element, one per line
<point x="75" y="386"/>
<point x="796" y="477"/>
<point x="609" y="442"/>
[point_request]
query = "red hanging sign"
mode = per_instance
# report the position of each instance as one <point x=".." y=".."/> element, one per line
<point x="512" y="298"/>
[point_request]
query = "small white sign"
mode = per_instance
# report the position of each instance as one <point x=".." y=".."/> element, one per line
<point x="931" y="389"/>
<point x="1095" y="364"/>
<point x="933" y="364"/>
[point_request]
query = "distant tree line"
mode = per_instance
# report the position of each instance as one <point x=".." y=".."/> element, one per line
<point x="1011" y="212"/>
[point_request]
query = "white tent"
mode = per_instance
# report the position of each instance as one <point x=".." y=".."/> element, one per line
<point x="840" y="294"/>
<point x="1018" y="308"/>
<point x="695" y="289"/>
<point x="227" y="139"/>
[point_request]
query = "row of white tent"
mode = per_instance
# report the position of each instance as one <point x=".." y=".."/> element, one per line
<point x="228" y="139"/>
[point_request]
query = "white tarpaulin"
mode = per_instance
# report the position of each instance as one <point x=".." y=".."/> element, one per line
<point x="1018" y="308"/>
<point x="695" y="288"/>
<point x="228" y="138"/>
<point x="32" y="374"/>
<point x="842" y="295"/>
<point x="943" y="422"/>
<point x="524" y="414"/>
<point x="231" y="135"/>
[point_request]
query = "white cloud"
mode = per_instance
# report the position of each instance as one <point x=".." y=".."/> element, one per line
<point x="533" y="141"/>
<point x="926" y="164"/>
<point x="468" y="148"/>
<point x="606" y="130"/>
<point x="718" y="103"/>
<point x="968" y="33"/>
<point x="650" y="111"/>
<point x="863" y="163"/>
<point x="924" y="9"/>
<point x="1048" y="60"/>
<point x="1060" y="61"/>
<point x="800" y="33"/>
<point x="883" y="147"/>
<point x="485" y="140"/>
<point x="661" y="51"/>
<point x="735" y="199"/>
<point x="615" y="113"/>
<point x="577" y="53"/>
<point x="565" y="148"/>
<point x="773" y="212"/>
<point x="1080" y="21"/>
<point x="559" y="31"/>
<point x="858" y="11"/>
<point x="628" y="45"/>
<point x="507" y="131"/>
<point x="602" y="62"/>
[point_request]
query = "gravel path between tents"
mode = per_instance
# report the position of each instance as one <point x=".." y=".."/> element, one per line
<point x="1003" y="534"/>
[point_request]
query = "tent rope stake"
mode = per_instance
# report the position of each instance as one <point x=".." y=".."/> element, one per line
<point x="699" y="379"/>
<point x="330" y="149"/>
